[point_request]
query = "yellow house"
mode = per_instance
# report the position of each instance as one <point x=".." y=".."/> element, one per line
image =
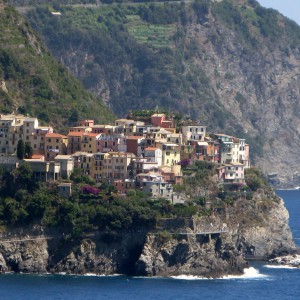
<point x="170" y="154"/>
<point x="89" y="142"/>
<point x="37" y="139"/>
<point x="55" y="144"/>
<point x="98" y="166"/>
<point x="74" y="141"/>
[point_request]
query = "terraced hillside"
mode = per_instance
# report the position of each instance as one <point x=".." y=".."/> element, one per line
<point x="34" y="83"/>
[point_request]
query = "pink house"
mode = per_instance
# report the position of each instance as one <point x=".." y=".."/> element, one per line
<point x="157" y="119"/>
<point x="123" y="185"/>
<point x="231" y="173"/>
<point x="160" y="120"/>
<point x="107" y="143"/>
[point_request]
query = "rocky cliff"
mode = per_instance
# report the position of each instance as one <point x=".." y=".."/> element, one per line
<point x="209" y="246"/>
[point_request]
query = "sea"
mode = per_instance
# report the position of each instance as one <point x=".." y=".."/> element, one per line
<point x="261" y="281"/>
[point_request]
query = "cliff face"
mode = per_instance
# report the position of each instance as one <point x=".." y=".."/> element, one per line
<point x="199" y="255"/>
<point x="185" y="249"/>
<point x="264" y="240"/>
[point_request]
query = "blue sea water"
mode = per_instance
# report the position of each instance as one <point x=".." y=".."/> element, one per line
<point x="261" y="281"/>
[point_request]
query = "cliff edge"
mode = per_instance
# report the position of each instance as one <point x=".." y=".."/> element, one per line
<point x="211" y="246"/>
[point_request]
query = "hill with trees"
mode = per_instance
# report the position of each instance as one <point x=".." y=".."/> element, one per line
<point x="34" y="83"/>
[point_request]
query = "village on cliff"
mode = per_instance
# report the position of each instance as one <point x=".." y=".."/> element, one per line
<point x="131" y="154"/>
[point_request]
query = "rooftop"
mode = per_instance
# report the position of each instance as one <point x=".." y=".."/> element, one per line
<point x="75" y="133"/>
<point x="55" y="135"/>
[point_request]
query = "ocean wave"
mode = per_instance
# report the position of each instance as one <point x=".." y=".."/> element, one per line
<point x="279" y="267"/>
<point x="88" y="275"/>
<point x="249" y="273"/>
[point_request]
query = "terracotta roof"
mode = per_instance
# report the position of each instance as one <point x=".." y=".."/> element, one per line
<point x="151" y="148"/>
<point x="37" y="156"/>
<point x="75" y="133"/>
<point x="55" y="135"/>
<point x="91" y="134"/>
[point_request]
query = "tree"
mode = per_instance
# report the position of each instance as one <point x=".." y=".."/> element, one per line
<point x="28" y="150"/>
<point x="20" y="149"/>
<point x="23" y="177"/>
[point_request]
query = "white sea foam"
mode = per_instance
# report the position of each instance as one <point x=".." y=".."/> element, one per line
<point x="89" y="275"/>
<point x="189" y="277"/>
<point x="249" y="273"/>
<point x="279" y="267"/>
<point x="100" y="275"/>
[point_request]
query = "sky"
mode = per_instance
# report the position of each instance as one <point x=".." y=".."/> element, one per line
<point x="289" y="8"/>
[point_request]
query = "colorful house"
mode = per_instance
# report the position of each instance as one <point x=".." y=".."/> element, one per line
<point x="153" y="154"/>
<point x="55" y="144"/>
<point x="74" y="141"/>
<point x="193" y="132"/>
<point x="89" y="142"/>
<point x="85" y="162"/>
<point x="170" y="154"/>
<point x="161" y="121"/>
<point x="133" y="143"/>
<point x="116" y="166"/>
<point x="123" y="185"/>
<point x="231" y="173"/>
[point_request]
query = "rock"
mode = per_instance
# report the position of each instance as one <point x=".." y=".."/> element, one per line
<point x="27" y="257"/>
<point x="3" y="266"/>
<point x="191" y="255"/>
<point x="288" y="260"/>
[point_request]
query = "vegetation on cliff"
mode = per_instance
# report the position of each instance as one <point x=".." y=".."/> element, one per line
<point x="33" y="82"/>
<point x="90" y="209"/>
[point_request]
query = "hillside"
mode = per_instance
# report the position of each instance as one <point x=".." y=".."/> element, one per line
<point x="34" y="83"/>
<point x="230" y="64"/>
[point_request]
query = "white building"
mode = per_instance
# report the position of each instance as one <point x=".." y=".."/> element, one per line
<point x="193" y="132"/>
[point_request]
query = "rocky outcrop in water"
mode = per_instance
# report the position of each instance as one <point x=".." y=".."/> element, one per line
<point x="288" y="260"/>
<point x="198" y="255"/>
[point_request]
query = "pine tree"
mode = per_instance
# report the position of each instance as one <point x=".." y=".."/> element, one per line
<point x="20" y="149"/>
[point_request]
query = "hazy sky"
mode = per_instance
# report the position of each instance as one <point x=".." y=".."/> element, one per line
<point x="289" y="8"/>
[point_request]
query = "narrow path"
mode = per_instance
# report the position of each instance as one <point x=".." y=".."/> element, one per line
<point x="25" y="239"/>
